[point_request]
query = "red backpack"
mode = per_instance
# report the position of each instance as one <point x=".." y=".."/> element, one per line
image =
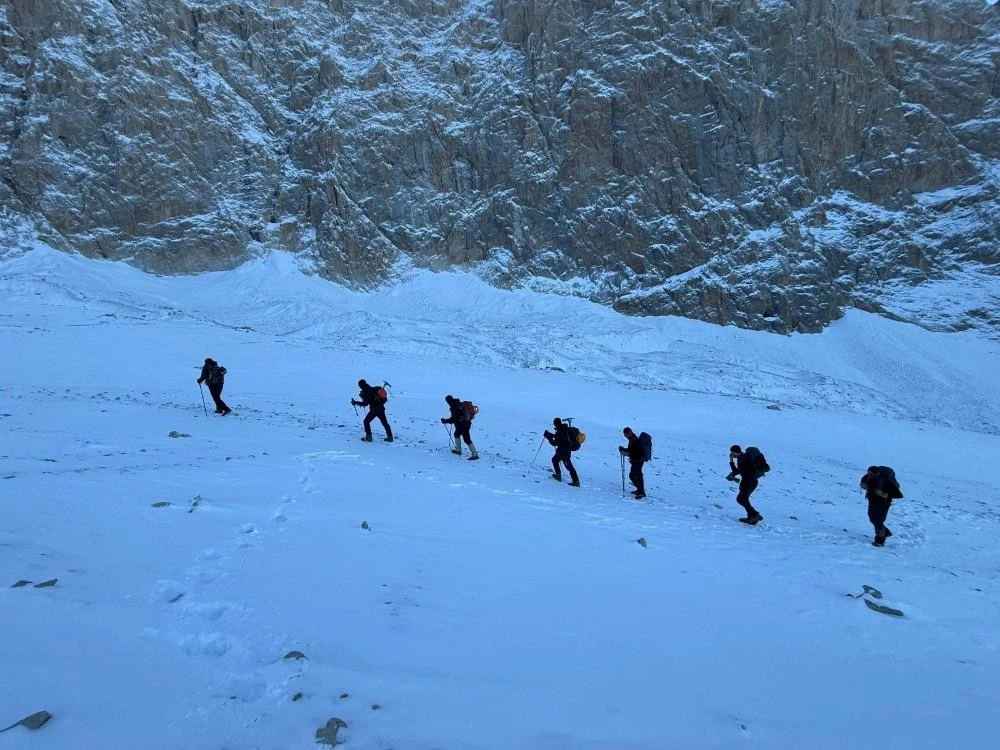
<point x="469" y="409"/>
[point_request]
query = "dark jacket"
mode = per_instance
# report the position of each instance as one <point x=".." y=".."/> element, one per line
<point x="744" y="467"/>
<point x="212" y="373"/>
<point x="368" y="396"/>
<point x="634" y="450"/>
<point x="880" y="485"/>
<point x="458" y="414"/>
<point x="560" y="439"/>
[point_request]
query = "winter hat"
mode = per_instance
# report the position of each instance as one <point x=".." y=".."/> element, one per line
<point x="627" y="431"/>
<point x="362" y="383"/>
<point x="556" y="422"/>
<point x="735" y="449"/>
<point x="449" y="398"/>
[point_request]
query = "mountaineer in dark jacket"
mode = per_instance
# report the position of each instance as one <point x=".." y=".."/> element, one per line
<point x="462" y="419"/>
<point x="369" y="397"/>
<point x="214" y="376"/>
<point x="742" y="465"/>
<point x="881" y="488"/>
<point x="636" y="458"/>
<point x="562" y="441"/>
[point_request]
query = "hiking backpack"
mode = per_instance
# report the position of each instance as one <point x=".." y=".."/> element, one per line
<point x="382" y="393"/>
<point x="469" y="410"/>
<point x="216" y="374"/>
<point x="882" y="482"/>
<point x="757" y="461"/>
<point x="576" y="438"/>
<point x="646" y="440"/>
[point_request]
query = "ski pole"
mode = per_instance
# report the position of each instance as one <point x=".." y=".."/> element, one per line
<point x="447" y="432"/>
<point x="203" y="405"/>
<point x="536" y="454"/>
<point x="622" y="455"/>
<point x="355" y="409"/>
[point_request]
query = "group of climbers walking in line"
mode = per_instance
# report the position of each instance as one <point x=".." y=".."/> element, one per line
<point x="746" y="466"/>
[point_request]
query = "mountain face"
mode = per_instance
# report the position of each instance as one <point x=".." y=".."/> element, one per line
<point x="764" y="163"/>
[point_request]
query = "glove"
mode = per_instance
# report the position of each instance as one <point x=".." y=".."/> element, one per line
<point x="444" y="421"/>
<point x="199" y="381"/>
<point x="622" y="450"/>
<point x="355" y="403"/>
<point x="731" y="477"/>
<point x="547" y="434"/>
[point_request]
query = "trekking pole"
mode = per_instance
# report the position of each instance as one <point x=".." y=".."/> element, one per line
<point x="536" y="454"/>
<point x="355" y="410"/>
<point x="622" y="456"/>
<point x="203" y="405"/>
<point x="448" y="433"/>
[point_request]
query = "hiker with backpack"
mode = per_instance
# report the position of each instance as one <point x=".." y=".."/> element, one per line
<point x="565" y="440"/>
<point x="374" y="397"/>
<point x="749" y="466"/>
<point x="636" y="453"/>
<point x="462" y="414"/>
<point x="881" y="488"/>
<point x="214" y="376"/>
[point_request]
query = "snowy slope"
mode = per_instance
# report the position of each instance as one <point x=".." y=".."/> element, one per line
<point x="486" y="606"/>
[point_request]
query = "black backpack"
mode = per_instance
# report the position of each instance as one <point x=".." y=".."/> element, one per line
<point x="881" y="481"/>
<point x="216" y="374"/>
<point x="646" y="440"/>
<point x="757" y="461"/>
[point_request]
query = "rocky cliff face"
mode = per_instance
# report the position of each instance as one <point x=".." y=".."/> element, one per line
<point x="763" y="163"/>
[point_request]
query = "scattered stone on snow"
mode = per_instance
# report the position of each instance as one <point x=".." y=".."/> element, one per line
<point x="295" y="655"/>
<point x="33" y="721"/>
<point x="176" y="434"/>
<point x="365" y="526"/>
<point x="297" y="697"/>
<point x="327" y="734"/>
<point x="344" y="695"/>
<point x="641" y="541"/>
<point x="46" y="584"/>
<point x="20" y="583"/>
<point x="176" y="598"/>
<point x="866" y="589"/>
<point x="874" y="593"/>
<point x="774" y="407"/>
<point x="885" y="610"/>
<point x="160" y="504"/>
<point x="376" y="706"/>
<point x="195" y="502"/>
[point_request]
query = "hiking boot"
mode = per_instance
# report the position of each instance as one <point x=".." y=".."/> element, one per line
<point x="457" y="453"/>
<point x="474" y="458"/>
<point x="885" y="532"/>
<point x="388" y="439"/>
<point x="639" y="495"/>
<point x="224" y="412"/>
<point x="367" y="438"/>
<point x="575" y="483"/>
<point x="557" y="477"/>
<point x="879" y="541"/>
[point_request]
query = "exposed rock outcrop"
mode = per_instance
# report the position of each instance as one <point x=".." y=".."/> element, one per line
<point x="757" y="163"/>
